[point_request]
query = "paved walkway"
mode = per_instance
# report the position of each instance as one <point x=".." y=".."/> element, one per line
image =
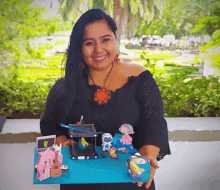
<point x="191" y="166"/>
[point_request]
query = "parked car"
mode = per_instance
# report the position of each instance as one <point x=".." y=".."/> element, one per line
<point x="157" y="41"/>
<point x="135" y="42"/>
<point x="169" y="38"/>
<point x="144" y="40"/>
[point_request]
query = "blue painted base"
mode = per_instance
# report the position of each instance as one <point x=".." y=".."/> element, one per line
<point x="101" y="170"/>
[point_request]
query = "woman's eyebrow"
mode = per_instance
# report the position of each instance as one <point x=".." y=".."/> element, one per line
<point x="107" y="35"/>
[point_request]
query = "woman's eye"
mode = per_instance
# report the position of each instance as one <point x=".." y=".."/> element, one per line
<point x="89" y="43"/>
<point x="106" y="39"/>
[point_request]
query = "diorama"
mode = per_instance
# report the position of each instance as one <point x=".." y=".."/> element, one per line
<point x="52" y="161"/>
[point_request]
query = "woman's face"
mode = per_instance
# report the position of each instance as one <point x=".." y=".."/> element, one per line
<point x="99" y="45"/>
<point x="124" y="130"/>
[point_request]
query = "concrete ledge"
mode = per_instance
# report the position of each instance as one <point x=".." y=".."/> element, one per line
<point x="181" y="135"/>
<point x="19" y="138"/>
<point x="193" y="123"/>
<point x="174" y="124"/>
<point x="185" y="135"/>
<point x="21" y="126"/>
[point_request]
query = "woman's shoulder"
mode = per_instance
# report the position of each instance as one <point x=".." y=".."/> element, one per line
<point x="131" y="69"/>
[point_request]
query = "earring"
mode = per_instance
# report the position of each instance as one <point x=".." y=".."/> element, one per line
<point x="116" y="57"/>
<point x="81" y="66"/>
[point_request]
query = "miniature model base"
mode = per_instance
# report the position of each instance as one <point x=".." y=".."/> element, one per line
<point x="101" y="170"/>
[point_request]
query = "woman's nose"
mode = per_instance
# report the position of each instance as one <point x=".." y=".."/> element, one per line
<point x="98" y="47"/>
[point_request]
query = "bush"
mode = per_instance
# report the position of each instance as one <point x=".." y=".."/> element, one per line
<point x="214" y="44"/>
<point x="18" y="95"/>
<point x="183" y="96"/>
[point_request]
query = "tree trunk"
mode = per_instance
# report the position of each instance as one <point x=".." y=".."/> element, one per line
<point x="117" y="15"/>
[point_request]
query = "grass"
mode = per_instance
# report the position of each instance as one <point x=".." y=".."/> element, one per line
<point x="48" y="69"/>
<point x="167" y="70"/>
<point x="39" y="75"/>
<point x="41" y="70"/>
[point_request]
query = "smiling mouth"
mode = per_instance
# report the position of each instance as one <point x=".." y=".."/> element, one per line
<point x="100" y="58"/>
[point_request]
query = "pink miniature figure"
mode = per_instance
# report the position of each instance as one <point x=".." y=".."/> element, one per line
<point x="126" y="129"/>
<point x="123" y="142"/>
<point x="44" y="163"/>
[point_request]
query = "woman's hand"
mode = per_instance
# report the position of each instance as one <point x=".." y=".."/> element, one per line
<point x="153" y="166"/>
<point x="64" y="141"/>
<point x="68" y="142"/>
<point x="150" y="152"/>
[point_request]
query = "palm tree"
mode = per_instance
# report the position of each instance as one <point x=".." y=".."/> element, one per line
<point x="128" y="14"/>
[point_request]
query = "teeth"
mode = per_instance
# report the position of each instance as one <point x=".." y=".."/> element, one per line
<point x="100" y="58"/>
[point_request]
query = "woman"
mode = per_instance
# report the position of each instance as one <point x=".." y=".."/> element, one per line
<point x="107" y="93"/>
<point x="126" y="129"/>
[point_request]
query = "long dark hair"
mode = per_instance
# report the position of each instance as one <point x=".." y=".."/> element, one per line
<point x="74" y="76"/>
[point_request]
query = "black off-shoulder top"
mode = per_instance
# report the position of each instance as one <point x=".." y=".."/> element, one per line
<point x="138" y="103"/>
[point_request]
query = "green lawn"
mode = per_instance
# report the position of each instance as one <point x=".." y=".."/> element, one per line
<point x="40" y="75"/>
<point x="172" y="70"/>
<point x="49" y="68"/>
<point x="51" y="75"/>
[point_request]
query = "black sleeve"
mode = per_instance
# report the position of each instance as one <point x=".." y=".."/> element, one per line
<point x="49" y="123"/>
<point x="153" y="126"/>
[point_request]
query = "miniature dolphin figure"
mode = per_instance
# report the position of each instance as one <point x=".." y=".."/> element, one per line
<point x="82" y="143"/>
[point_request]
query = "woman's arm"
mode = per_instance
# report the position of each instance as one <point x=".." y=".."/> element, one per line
<point x="152" y="130"/>
<point x="50" y="123"/>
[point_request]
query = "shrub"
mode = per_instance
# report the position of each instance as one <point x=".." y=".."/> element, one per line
<point x="183" y="96"/>
<point x="18" y="95"/>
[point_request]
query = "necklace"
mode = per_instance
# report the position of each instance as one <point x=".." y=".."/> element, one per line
<point x="102" y="95"/>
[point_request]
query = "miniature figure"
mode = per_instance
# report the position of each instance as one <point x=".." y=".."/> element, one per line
<point x="107" y="142"/>
<point x="82" y="149"/>
<point x="126" y="129"/>
<point x="57" y="148"/>
<point x="123" y="149"/>
<point x="60" y="156"/>
<point x="112" y="153"/>
<point x="138" y="166"/>
<point x="45" y="142"/>
<point x="82" y="143"/>
<point x="55" y="170"/>
<point x="44" y="163"/>
<point x="124" y="141"/>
